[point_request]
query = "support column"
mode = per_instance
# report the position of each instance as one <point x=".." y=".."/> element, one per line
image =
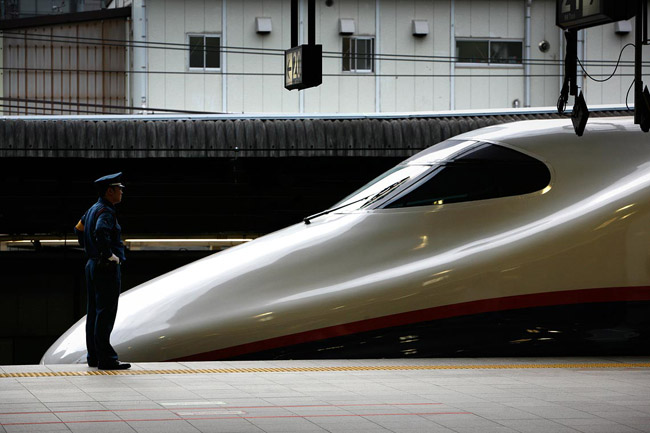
<point x="139" y="75"/>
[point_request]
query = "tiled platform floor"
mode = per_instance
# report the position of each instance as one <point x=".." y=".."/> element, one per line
<point x="445" y="395"/>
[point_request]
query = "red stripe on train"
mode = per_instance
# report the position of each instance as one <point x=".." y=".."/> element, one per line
<point x="569" y="297"/>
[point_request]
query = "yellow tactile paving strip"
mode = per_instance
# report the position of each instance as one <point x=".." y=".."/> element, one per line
<point x="326" y="369"/>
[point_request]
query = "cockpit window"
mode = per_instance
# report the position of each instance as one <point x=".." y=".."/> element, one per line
<point x="403" y="175"/>
<point x="441" y="152"/>
<point x="382" y="186"/>
<point x="483" y="172"/>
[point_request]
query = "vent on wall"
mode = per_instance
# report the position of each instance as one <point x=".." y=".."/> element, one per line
<point x="263" y="25"/>
<point x="623" y="27"/>
<point x="420" y="27"/>
<point x="346" y="26"/>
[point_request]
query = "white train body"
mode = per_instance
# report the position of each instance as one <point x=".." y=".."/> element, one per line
<point x="376" y="270"/>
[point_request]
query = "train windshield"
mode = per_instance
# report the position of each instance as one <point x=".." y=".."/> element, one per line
<point x="382" y="186"/>
<point x="484" y="172"/>
<point x="441" y="152"/>
<point x="403" y="175"/>
<point x="451" y="172"/>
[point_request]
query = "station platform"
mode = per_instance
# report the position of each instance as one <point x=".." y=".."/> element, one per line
<point x="599" y="395"/>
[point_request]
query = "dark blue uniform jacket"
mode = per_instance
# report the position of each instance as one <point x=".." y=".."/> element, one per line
<point x="99" y="232"/>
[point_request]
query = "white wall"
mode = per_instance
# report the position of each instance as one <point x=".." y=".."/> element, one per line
<point x="353" y="92"/>
<point x="255" y="82"/>
<point x="489" y="86"/>
<point x="171" y="21"/>
<point x="399" y="92"/>
<point x="545" y="82"/>
<point x="265" y="92"/>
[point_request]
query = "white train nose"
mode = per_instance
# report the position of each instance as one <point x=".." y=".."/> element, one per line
<point x="215" y="302"/>
<point x="578" y="239"/>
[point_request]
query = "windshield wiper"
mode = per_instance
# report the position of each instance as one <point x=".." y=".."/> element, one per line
<point x="308" y="219"/>
<point x="384" y="192"/>
<point x="373" y="198"/>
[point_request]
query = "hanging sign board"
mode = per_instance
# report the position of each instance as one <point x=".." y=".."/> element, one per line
<point x="303" y="67"/>
<point x="580" y="14"/>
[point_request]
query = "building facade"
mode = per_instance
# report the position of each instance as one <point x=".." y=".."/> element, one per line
<point x="378" y="56"/>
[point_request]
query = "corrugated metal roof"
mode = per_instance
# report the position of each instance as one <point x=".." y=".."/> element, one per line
<point x="97" y="137"/>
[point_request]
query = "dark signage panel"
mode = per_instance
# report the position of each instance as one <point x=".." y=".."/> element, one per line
<point x="293" y="67"/>
<point x="303" y="67"/>
<point x="580" y="14"/>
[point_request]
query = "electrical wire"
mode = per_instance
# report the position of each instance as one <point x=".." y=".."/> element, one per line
<point x="86" y="104"/>
<point x="237" y="49"/>
<point x="30" y="110"/>
<point x="628" y="93"/>
<point x="278" y="74"/>
<point x="564" y="93"/>
<point x="615" y="68"/>
<point x="121" y="43"/>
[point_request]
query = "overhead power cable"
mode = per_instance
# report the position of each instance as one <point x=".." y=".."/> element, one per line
<point x="280" y="74"/>
<point x="16" y="109"/>
<point x="615" y="68"/>
<point x="256" y="50"/>
<point x="121" y="43"/>
<point x="86" y="105"/>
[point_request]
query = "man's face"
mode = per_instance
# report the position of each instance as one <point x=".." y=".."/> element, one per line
<point x="114" y="194"/>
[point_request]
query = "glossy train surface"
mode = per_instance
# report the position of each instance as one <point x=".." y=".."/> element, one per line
<point x="514" y="239"/>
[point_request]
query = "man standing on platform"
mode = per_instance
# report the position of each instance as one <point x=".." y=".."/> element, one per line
<point x="100" y="234"/>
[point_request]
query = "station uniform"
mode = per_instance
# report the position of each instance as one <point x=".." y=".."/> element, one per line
<point x="99" y="233"/>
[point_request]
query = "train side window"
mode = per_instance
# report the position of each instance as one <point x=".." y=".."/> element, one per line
<point x="488" y="171"/>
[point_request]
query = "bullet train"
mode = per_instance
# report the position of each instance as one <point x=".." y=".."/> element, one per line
<point x="516" y="239"/>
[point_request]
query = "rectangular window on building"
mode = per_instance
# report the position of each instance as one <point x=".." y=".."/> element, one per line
<point x="205" y="51"/>
<point x="358" y="54"/>
<point x="494" y="52"/>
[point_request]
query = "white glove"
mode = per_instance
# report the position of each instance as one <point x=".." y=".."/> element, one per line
<point x="114" y="258"/>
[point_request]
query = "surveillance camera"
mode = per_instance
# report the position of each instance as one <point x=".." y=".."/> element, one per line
<point x="544" y="46"/>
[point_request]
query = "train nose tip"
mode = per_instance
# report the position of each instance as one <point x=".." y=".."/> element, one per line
<point x="70" y="348"/>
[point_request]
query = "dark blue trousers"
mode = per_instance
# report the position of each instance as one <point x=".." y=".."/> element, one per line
<point x="103" y="283"/>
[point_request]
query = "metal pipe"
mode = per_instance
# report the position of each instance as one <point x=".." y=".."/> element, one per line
<point x="584" y="61"/>
<point x="294" y="23"/>
<point x="638" y="59"/>
<point x="139" y="81"/>
<point x="311" y="22"/>
<point x="561" y="59"/>
<point x="377" y="62"/>
<point x="224" y="57"/>
<point x="452" y="54"/>
<point x="527" y="54"/>
<point x="300" y="39"/>
<point x="645" y="22"/>
<point x="580" y="49"/>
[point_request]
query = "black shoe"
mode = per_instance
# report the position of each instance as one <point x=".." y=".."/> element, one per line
<point x="92" y="363"/>
<point x="114" y="366"/>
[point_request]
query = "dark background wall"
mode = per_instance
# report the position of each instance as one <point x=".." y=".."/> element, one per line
<point x="185" y="177"/>
<point x="43" y="290"/>
<point x="180" y="195"/>
<point x="43" y="293"/>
